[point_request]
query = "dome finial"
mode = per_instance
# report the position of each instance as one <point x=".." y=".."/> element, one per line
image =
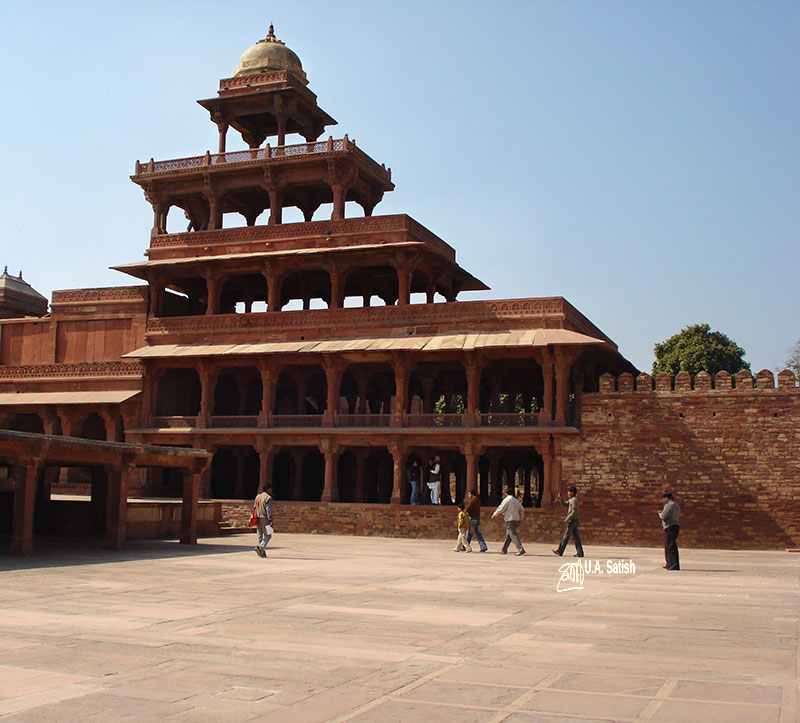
<point x="271" y="33"/>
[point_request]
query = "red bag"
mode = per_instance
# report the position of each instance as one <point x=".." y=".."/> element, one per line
<point x="253" y="518"/>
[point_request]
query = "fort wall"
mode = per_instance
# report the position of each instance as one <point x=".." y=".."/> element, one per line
<point x="728" y="447"/>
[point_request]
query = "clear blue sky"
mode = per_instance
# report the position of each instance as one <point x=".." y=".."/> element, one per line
<point x="641" y="159"/>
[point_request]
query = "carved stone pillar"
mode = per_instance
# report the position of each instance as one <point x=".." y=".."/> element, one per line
<point x="336" y="291"/>
<point x="208" y="378"/>
<point x="213" y="289"/>
<point x="563" y="370"/>
<point x="546" y="360"/>
<point x="274" y="278"/>
<point x="398" y="467"/>
<point x="330" y="492"/>
<point x="472" y="455"/>
<point x="474" y="369"/>
<point x="334" y="370"/>
<point x="339" y="195"/>
<point x="266" y="456"/>
<point x="275" y="206"/>
<point x="403" y="285"/>
<point x="269" y="380"/>
<point x="192" y="480"/>
<point x="402" y="372"/>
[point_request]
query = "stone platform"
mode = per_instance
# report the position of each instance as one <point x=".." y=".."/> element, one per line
<point x="334" y="628"/>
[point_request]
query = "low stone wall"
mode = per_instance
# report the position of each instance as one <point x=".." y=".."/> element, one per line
<point x="146" y="520"/>
<point x="423" y="521"/>
<point x="636" y="524"/>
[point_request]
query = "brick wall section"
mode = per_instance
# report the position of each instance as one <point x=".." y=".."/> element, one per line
<point x="730" y="454"/>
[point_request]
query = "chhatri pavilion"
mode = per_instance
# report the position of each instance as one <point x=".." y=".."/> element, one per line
<point x="323" y="355"/>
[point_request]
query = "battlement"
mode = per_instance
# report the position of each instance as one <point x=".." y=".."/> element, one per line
<point x="683" y="382"/>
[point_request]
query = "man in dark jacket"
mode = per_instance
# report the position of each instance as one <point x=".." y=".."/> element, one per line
<point x="473" y="509"/>
<point x="669" y="521"/>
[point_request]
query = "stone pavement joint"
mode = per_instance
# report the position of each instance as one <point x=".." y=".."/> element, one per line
<point x="374" y="630"/>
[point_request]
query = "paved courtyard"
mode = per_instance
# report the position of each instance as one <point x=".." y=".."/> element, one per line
<point x="369" y="629"/>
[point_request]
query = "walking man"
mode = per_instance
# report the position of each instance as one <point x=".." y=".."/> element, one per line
<point x="669" y="521"/>
<point x="264" y="521"/>
<point x="474" y="511"/>
<point x="512" y="511"/>
<point x="572" y="524"/>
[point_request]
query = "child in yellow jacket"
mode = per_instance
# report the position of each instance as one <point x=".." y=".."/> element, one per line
<point x="462" y="522"/>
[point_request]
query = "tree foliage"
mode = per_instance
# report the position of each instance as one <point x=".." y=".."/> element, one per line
<point x="696" y="348"/>
<point x="793" y="362"/>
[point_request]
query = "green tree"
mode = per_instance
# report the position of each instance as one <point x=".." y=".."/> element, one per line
<point x="793" y="362"/>
<point x="696" y="348"/>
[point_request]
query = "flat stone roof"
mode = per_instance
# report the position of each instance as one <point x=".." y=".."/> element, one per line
<point x="369" y="629"/>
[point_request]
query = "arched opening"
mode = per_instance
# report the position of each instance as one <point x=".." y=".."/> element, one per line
<point x="93" y="427"/>
<point x="282" y="476"/>
<point x="26" y="422"/>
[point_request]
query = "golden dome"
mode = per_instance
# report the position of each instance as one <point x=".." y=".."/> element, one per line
<point x="269" y="54"/>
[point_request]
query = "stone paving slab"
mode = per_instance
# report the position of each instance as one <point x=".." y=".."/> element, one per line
<point x="367" y="629"/>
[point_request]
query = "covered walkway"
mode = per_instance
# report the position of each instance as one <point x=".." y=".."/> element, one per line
<point x="25" y="457"/>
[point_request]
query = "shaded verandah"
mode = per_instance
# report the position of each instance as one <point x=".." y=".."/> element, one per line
<point x="26" y="456"/>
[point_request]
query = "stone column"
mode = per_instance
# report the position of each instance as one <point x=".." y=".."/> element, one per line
<point x="191" y="503"/>
<point x="474" y="370"/>
<point x="275" y="206"/>
<point x="274" y="278"/>
<point x="403" y="285"/>
<point x="402" y="372"/>
<point x="266" y="456"/>
<point x="563" y="364"/>
<point x="269" y="380"/>
<point x="118" y="479"/>
<point x="339" y="195"/>
<point x="472" y="454"/>
<point x="333" y="377"/>
<point x="398" y="467"/>
<point x="546" y="360"/>
<point x="207" y="383"/>
<point x="547" y="459"/>
<point x="223" y="132"/>
<point x="330" y="492"/>
<point x="26" y="477"/>
<point x="336" y="292"/>
<point x="213" y="288"/>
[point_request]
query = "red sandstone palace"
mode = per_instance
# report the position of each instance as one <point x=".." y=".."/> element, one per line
<point x="322" y="355"/>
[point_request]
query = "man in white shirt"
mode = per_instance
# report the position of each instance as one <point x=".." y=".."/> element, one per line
<point x="513" y="512"/>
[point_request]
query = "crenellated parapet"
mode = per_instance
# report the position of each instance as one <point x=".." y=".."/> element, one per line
<point x="683" y="382"/>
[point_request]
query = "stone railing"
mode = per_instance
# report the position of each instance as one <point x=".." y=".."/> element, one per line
<point x="435" y="420"/>
<point x="296" y="420"/>
<point x="350" y="421"/>
<point x="234" y="421"/>
<point x="510" y="419"/>
<point x="260" y="155"/>
<point x="366" y="317"/>
<point x="263" y="78"/>
<point x="101" y="295"/>
<point x="363" y="420"/>
<point x="324" y="230"/>
<point x="174" y="422"/>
